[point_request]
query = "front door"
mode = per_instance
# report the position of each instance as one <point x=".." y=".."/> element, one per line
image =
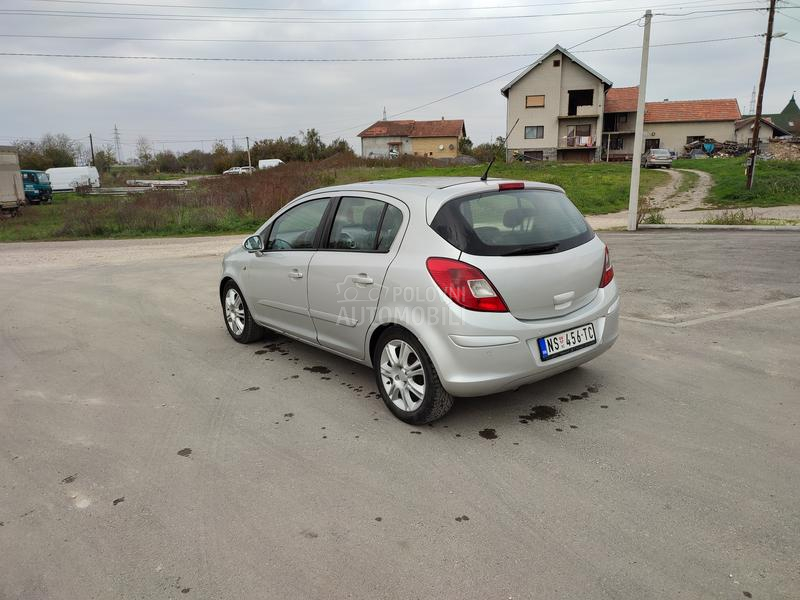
<point x="346" y="273"/>
<point x="276" y="280"/>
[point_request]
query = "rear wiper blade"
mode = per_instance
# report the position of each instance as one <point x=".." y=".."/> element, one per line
<point x="534" y="249"/>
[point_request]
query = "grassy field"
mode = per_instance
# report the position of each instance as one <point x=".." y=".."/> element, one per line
<point x="240" y="204"/>
<point x="777" y="182"/>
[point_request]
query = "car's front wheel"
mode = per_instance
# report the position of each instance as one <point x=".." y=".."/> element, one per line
<point x="407" y="380"/>
<point x="238" y="320"/>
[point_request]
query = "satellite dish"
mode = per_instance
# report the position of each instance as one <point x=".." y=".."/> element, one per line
<point x="441" y="146"/>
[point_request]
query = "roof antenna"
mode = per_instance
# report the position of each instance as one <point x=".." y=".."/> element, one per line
<point x="485" y="175"/>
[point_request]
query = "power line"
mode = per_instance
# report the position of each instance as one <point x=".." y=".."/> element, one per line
<point x="789" y="16"/>
<point x="299" y="41"/>
<point x="447" y="97"/>
<point x="334" y="40"/>
<point x="352" y="60"/>
<point x="322" y="10"/>
<point x="351" y="21"/>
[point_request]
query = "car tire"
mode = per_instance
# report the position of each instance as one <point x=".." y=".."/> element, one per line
<point x="407" y="379"/>
<point x="238" y="320"/>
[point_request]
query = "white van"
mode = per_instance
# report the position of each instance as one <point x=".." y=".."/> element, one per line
<point x="66" y="179"/>
<point x="268" y="163"/>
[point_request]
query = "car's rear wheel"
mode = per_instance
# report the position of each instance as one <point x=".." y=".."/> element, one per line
<point x="238" y="320"/>
<point x="407" y="380"/>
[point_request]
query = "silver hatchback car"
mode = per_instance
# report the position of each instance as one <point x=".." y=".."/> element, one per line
<point x="445" y="286"/>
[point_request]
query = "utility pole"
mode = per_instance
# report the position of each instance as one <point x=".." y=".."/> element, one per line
<point x="751" y="164"/>
<point x="249" y="163"/>
<point x="117" y="144"/>
<point x="91" y="147"/>
<point x="636" y="167"/>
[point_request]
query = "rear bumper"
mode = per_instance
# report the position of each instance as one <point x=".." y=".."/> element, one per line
<point x="503" y="354"/>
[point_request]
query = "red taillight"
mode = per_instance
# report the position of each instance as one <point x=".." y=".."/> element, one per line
<point x="465" y="285"/>
<point x="516" y="185"/>
<point x="608" y="271"/>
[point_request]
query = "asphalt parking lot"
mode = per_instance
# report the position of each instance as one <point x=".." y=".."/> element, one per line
<point x="144" y="454"/>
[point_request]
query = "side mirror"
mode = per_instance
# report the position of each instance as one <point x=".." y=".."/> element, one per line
<point x="254" y="244"/>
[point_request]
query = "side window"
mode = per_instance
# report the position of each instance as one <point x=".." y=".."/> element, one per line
<point x="390" y="226"/>
<point x="355" y="226"/>
<point x="297" y="228"/>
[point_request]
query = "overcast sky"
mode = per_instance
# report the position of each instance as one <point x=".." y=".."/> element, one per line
<point x="176" y="104"/>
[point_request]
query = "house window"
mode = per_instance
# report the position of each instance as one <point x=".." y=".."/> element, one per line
<point x="615" y="143"/>
<point x="622" y="118"/>
<point x="694" y="138"/>
<point x="534" y="101"/>
<point x="534" y="132"/>
<point x="651" y="143"/>
<point x="579" y="130"/>
<point x="557" y="63"/>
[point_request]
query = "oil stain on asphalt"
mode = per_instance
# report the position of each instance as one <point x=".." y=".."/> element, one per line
<point x="70" y="478"/>
<point x="487" y="434"/>
<point x="539" y="413"/>
<point x="184" y="452"/>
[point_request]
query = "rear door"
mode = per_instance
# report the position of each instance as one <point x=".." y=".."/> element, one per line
<point x="346" y="274"/>
<point x="276" y="280"/>
<point x="533" y="245"/>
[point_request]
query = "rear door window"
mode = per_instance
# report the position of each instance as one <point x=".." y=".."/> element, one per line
<point x="364" y="224"/>
<point x="355" y="226"/>
<point x="512" y="222"/>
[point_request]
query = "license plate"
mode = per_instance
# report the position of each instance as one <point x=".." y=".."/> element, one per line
<point x="566" y="341"/>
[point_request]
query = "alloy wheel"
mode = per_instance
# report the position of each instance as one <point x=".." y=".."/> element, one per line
<point x="234" y="312"/>
<point x="402" y="375"/>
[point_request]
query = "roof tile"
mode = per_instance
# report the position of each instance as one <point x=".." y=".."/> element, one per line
<point x="409" y="128"/>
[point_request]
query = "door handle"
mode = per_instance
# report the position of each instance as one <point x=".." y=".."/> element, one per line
<point x="295" y="274"/>
<point x="363" y="279"/>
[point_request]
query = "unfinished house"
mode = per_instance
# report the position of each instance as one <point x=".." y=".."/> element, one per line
<point x="559" y="102"/>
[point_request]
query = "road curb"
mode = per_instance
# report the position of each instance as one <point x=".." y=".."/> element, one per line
<point x="699" y="226"/>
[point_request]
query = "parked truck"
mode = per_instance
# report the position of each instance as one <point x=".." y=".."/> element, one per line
<point x="12" y="192"/>
<point x="37" y="186"/>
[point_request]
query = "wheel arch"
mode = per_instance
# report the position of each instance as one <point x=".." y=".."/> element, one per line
<point x="222" y="285"/>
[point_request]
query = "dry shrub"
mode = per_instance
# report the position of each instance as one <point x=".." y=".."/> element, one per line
<point x="216" y="204"/>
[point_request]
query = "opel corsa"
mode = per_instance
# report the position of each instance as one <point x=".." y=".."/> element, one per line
<point x="445" y="286"/>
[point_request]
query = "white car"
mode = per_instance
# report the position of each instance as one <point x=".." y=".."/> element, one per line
<point x="239" y="171"/>
<point x="445" y="286"/>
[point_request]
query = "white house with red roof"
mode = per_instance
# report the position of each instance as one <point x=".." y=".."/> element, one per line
<point x="569" y="111"/>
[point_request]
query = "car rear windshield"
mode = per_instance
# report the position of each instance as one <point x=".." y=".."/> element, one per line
<point x="512" y="222"/>
<point x="660" y="152"/>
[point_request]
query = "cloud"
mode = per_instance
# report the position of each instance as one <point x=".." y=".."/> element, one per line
<point x="179" y="103"/>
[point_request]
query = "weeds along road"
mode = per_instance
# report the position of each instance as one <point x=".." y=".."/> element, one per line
<point x="144" y="454"/>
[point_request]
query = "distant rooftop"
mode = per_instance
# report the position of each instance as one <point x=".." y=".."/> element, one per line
<point x="410" y="128"/>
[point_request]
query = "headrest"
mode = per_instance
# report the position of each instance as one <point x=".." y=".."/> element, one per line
<point x="516" y="216"/>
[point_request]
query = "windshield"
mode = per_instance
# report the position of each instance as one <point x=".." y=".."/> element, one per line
<point x="43" y="177"/>
<point x="512" y="223"/>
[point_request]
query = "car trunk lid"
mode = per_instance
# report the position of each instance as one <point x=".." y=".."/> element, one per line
<point x="546" y="285"/>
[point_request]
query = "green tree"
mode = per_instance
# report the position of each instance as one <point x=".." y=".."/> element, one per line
<point x="104" y="159"/>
